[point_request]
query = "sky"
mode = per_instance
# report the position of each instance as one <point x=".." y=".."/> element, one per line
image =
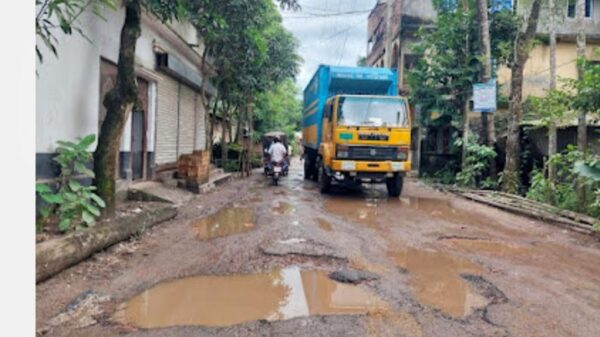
<point x="332" y="32"/>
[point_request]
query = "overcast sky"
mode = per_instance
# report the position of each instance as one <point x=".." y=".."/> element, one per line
<point x="326" y="36"/>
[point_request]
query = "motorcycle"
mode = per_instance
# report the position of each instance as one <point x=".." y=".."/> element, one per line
<point x="276" y="170"/>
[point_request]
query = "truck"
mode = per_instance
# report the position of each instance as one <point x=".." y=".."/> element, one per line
<point x="355" y="128"/>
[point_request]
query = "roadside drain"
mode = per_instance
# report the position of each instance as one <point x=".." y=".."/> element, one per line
<point x="227" y="221"/>
<point x="228" y="300"/>
<point x="436" y="280"/>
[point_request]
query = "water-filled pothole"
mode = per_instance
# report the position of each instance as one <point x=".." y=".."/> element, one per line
<point x="227" y="221"/>
<point x="229" y="300"/>
<point x="283" y="208"/>
<point x="436" y="280"/>
<point x="325" y="225"/>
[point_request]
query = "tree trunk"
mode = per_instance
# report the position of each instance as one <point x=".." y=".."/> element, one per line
<point x="489" y="134"/>
<point x="552" y="132"/>
<point x="581" y="125"/>
<point x="511" y="179"/>
<point x="465" y="135"/>
<point x="53" y="256"/>
<point x="224" y="143"/>
<point x="118" y="102"/>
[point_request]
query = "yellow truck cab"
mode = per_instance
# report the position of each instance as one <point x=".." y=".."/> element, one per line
<point x="358" y="134"/>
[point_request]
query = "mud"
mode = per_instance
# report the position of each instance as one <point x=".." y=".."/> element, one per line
<point x="227" y="221"/>
<point x="230" y="300"/>
<point x="325" y="225"/>
<point x="283" y="208"/>
<point x="437" y="282"/>
<point x="445" y="267"/>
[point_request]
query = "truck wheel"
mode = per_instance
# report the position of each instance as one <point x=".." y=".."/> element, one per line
<point x="307" y="173"/>
<point x="394" y="185"/>
<point x="324" y="180"/>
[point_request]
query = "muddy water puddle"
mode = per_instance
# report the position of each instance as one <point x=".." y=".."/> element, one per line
<point x="490" y="247"/>
<point x="373" y="210"/>
<point x="325" y="225"/>
<point x="283" y="208"/>
<point x="435" y="278"/>
<point x="229" y="300"/>
<point x="227" y="221"/>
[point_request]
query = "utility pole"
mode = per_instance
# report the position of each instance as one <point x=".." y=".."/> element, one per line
<point x="488" y="125"/>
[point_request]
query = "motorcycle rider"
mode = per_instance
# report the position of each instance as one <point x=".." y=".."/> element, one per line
<point x="278" y="153"/>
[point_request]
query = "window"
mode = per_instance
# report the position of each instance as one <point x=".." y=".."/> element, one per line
<point x="572" y="8"/>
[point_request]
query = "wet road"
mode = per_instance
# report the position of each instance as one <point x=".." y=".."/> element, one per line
<point x="254" y="260"/>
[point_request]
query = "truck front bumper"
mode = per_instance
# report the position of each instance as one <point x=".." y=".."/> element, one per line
<point x="353" y="167"/>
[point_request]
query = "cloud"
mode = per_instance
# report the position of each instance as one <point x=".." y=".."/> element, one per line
<point x="326" y="37"/>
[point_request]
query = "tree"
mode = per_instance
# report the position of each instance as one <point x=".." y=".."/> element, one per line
<point x="486" y="75"/>
<point x="121" y="98"/>
<point x="361" y="61"/>
<point x="581" y="124"/>
<point x="63" y="14"/>
<point x="522" y="47"/>
<point x="552" y="132"/>
<point x="441" y="82"/>
<point x="206" y="16"/>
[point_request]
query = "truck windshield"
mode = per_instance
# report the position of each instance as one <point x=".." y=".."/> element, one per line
<point x="372" y="111"/>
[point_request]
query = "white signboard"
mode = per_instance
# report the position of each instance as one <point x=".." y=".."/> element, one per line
<point x="484" y="97"/>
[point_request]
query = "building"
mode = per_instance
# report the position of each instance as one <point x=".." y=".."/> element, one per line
<point x="407" y="17"/>
<point x="537" y="69"/>
<point x="169" y="119"/>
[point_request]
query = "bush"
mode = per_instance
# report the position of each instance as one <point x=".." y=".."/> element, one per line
<point x="571" y="166"/>
<point x="73" y="205"/>
<point x="476" y="164"/>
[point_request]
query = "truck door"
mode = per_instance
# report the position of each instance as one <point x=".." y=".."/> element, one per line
<point x="327" y="133"/>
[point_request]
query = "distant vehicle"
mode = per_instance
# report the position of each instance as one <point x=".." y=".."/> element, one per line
<point x="274" y="169"/>
<point x="356" y="129"/>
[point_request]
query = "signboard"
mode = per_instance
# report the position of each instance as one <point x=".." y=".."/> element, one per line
<point x="484" y="96"/>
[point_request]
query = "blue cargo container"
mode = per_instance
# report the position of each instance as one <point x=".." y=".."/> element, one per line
<point x="329" y="81"/>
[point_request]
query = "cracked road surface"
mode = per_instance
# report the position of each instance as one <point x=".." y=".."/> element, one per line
<point x="250" y="259"/>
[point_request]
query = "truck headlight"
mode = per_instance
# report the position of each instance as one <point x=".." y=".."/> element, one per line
<point x="402" y="154"/>
<point x="342" y="151"/>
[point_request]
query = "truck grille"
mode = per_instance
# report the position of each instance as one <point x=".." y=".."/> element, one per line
<point x="372" y="153"/>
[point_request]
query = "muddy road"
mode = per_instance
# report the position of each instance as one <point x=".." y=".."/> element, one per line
<point x="255" y="260"/>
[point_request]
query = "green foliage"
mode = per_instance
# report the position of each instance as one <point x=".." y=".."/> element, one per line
<point x="63" y="14"/>
<point x="441" y="83"/>
<point x="278" y="110"/>
<point x="476" y="164"/>
<point x="552" y="108"/>
<point x="587" y="89"/>
<point x="571" y="165"/>
<point x="361" y="61"/>
<point x="74" y="205"/>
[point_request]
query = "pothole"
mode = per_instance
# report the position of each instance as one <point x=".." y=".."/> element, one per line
<point x="325" y="225"/>
<point x="227" y="221"/>
<point x="283" y="208"/>
<point x="229" y="300"/>
<point x="436" y="280"/>
<point x="491" y="247"/>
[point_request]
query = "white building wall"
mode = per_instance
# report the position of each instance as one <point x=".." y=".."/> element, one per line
<point x="68" y="97"/>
